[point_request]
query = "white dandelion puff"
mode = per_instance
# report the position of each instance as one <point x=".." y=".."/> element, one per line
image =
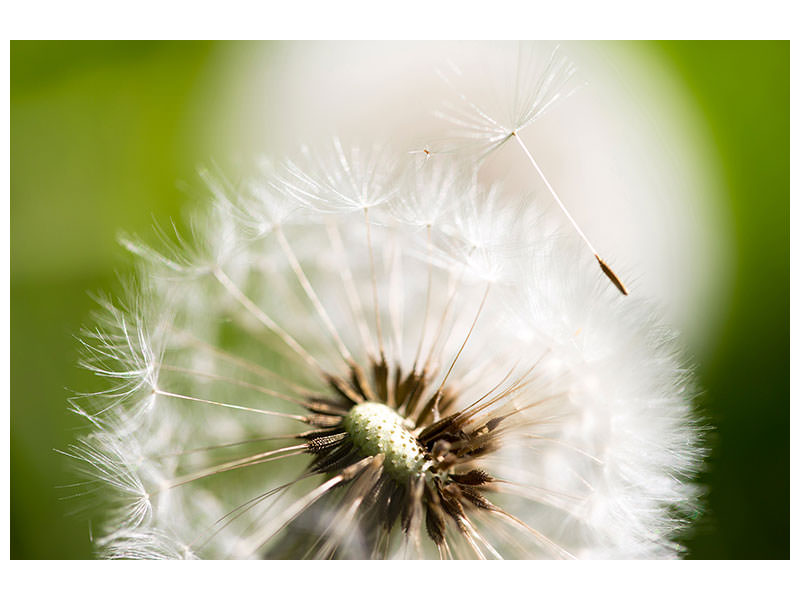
<point x="352" y="357"/>
<point x="124" y="348"/>
<point x="524" y="82"/>
<point x="261" y="206"/>
<point x="484" y="428"/>
<point x="340" y="178"/>
<point x="431" y="189"/>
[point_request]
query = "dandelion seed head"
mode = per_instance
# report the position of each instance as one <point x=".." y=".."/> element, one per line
<point x="353" y="356"/>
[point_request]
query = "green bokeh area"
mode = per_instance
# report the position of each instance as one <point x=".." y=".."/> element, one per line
<point x="102" y="134"/>
<point x="743" y="90"/>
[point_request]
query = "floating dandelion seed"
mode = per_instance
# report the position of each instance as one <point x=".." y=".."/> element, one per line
<point x="355" y="359"/>
<point x="539" y="79"/>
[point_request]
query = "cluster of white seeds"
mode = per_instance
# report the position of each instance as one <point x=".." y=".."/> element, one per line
<point x="324" y="262"/>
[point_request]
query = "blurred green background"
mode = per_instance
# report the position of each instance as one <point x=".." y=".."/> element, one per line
<point x="103" y="134"/>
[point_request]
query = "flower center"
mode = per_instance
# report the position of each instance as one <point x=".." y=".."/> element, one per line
<point x="377" y="429"/>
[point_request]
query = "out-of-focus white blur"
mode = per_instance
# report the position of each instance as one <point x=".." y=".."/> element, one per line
<point x="628" y="151"/>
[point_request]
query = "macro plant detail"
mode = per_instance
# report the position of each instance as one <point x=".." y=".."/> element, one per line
<point x="362" y="352"/>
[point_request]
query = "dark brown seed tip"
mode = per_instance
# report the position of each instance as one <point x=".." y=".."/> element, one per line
<point x="611" y="275"/>
<point x="474" y="477"/>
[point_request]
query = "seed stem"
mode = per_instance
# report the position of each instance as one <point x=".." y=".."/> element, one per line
<point x="378" y="331"/>
<point x="607" y="271"/>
